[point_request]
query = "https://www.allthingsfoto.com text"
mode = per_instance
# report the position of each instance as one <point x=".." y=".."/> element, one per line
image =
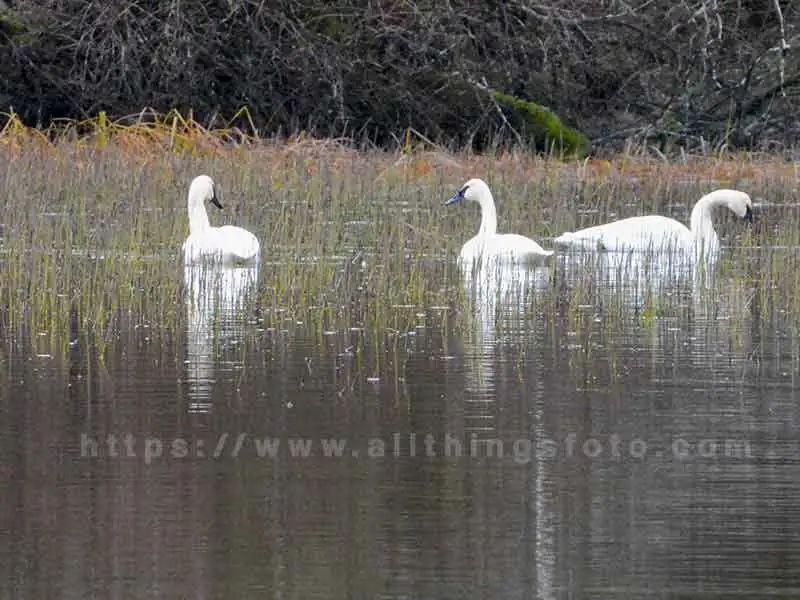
<point x="226" y="445"/>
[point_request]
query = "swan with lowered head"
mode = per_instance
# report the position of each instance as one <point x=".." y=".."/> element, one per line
<point x="207" y="244"/>
<point x="657" y="233"/>
<point x="489" y="244"/>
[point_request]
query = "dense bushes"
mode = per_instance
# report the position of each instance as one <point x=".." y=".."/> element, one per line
<point x="670" y="72"/>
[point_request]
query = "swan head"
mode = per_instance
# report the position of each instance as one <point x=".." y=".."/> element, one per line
<point x="475" y="190"/>
<point x="203" y="190"/>
<point x="738" y="202"/>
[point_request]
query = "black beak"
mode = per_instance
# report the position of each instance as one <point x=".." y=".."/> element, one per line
<point x="215" y="200"/>
<point x="748" y="216"/>
<point x="458" y="196"/>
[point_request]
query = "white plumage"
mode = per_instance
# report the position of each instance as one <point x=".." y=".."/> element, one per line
<point x="659" y="234"/>
<point x="488" y="244"/>
<point x="206" y="244"/>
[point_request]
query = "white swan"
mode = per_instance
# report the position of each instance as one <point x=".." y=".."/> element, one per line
<point x="489" y="244"/>
<point x="227" y="244"/>
<point x="661" y="234"/>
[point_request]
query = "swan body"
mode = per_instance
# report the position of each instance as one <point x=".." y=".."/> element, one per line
<point x="489" y="244"/>
<point x="659" y="234"/>
<point x="206" y="244"/>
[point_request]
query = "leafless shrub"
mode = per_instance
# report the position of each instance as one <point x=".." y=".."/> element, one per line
<point x="692" y="73"/>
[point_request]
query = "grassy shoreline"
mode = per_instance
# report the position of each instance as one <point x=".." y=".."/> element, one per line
<point x="94" y="222"/>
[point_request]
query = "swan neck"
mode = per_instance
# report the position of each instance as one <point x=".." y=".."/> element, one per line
<point x="198" y="218"/>
<point x="702" y="225"/>
<point x="488" y="215"/>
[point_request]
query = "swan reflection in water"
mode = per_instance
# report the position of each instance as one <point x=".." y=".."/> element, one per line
<point x="634" y="278"/>
<point x="498" y="294"/>
<point x="216" y="301"/>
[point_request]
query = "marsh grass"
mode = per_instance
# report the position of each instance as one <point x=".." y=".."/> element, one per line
<point x="95" y="215"/>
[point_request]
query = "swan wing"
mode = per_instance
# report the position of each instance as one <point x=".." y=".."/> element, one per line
<point x="226" y="244"/>
<point x="654" y="232"/>
<point x="519" y="245"/>
<point x="504" y="248"/>
<point x="238" y="243"/>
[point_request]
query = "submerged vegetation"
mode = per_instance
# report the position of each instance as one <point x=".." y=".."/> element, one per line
<point x="95" y="216"/>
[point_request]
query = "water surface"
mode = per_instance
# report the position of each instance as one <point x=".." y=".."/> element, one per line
<point x="551" y="438"/>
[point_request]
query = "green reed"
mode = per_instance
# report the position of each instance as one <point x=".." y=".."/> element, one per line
<point x="350" y="239"/>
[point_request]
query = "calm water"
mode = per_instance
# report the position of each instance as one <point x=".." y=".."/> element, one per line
<point x="510" y="448"/>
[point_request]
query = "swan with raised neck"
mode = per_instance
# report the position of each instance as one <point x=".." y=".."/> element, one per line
<point x="226" y="244"/>
<point x="488" y="243"/>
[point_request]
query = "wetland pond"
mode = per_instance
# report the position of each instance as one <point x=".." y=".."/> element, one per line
<point x="548" y="442"/>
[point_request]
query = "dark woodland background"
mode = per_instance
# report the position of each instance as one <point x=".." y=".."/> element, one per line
<point x="694" y="74"/>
